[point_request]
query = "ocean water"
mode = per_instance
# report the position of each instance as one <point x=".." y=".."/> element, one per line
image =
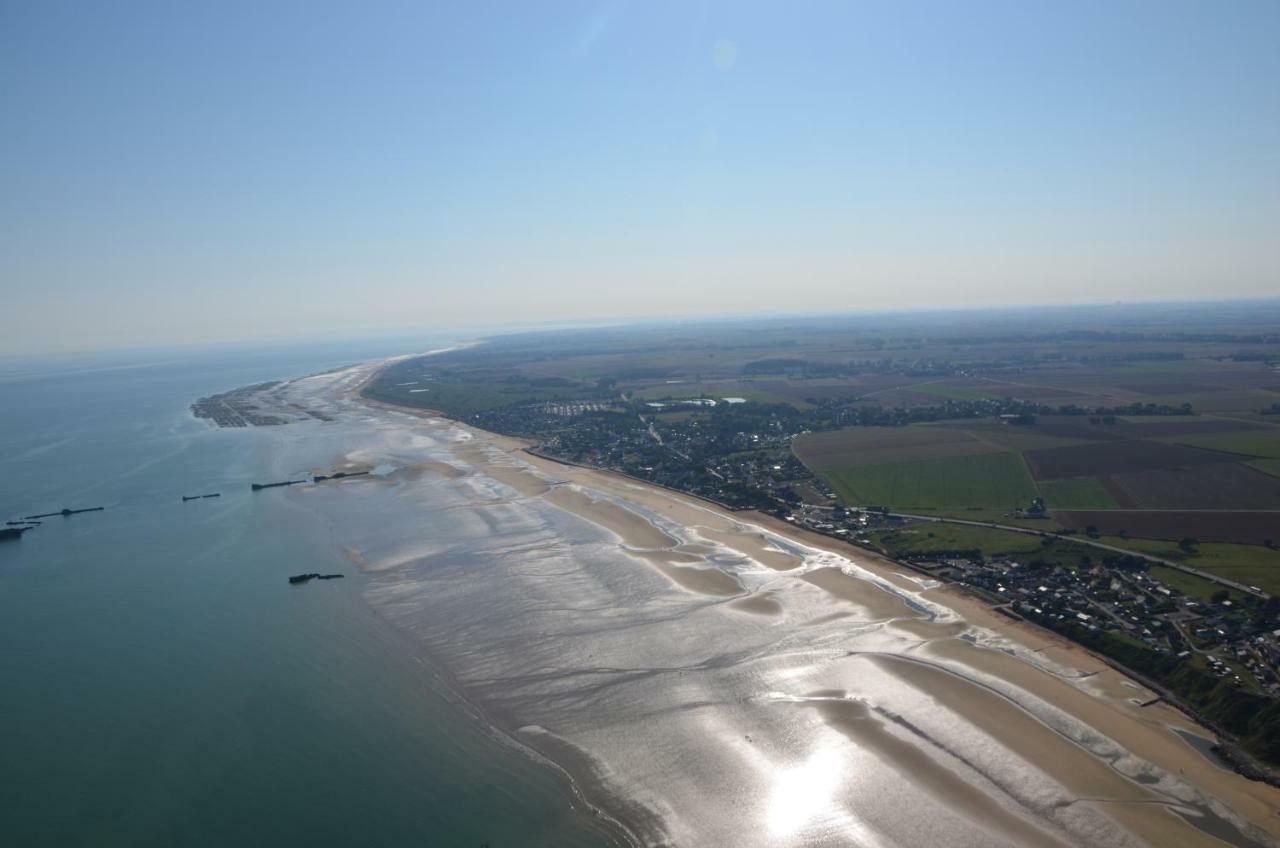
<point x="160" y="681"/>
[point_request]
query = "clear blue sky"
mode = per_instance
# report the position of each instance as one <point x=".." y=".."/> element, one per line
<point x="182" y="172"/>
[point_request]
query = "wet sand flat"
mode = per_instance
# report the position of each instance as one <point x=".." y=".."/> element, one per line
<point x="755" y="545"/>
<point x="1144" y="730"/>
<point x="635" y="530"/>
<point x="758" y="604"/>
<point x="477" y="454"/>
<point x="866" y="730"/>
<point x="928" y="630"/>
<point x="861" y="592"/>
<point x="1002" y="720"/>
<point x="706" y="580"/>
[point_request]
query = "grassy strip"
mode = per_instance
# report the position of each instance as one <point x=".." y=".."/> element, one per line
<point x="1263" y="444"/>
<point x="1076" y="493"/>
<point x="1252" y="565"/>
<point x="1266" y="466"/>
<point x="985" y="480"/>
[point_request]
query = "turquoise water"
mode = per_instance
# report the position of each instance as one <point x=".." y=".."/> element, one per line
<point x="164" y="685"/>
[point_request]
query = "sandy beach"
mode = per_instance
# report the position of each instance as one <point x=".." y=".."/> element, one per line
<point x="715" y="678"/>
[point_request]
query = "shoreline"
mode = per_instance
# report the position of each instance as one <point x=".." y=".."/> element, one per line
<point x="1055" y="648"/>
<point x="615" y="827"/>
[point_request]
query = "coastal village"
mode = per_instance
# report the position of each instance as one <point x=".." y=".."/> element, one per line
<point x="1233" y="636"/>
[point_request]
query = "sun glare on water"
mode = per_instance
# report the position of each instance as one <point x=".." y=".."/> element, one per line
<point x="803" y="796"/>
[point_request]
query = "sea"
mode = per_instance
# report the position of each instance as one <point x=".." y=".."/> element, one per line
<point x="161" y="682"/>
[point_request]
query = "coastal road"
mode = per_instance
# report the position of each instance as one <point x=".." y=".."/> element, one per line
<point x="1222" y="581"/>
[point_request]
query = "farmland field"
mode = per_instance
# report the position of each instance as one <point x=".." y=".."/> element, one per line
<point x="1116" y="457"/>
<point x="993" y="515"/>
<point x="1222" y="485"/>
<point x="992" y="480"/>
<point x="1010" y="436"/>
<point x="466" y="397"/>
<point x="1245" y="527"/>
<point x="855" y="447"/>
<point x="1252" y="565"/>
<point x="1175" y="428"/>
<point x="1076" y="493"/>
<point x="1188" y="584"/>
<point x="955" y="391"/>
<point x="1266" y="466"/>
<point x="1224" y="400"/>
<point x="932" y="537"/>
<point x="1079" y="427"/>
<point x="1259" y="443"/>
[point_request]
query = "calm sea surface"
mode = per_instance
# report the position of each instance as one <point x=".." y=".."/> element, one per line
<point x="162" y="684"/>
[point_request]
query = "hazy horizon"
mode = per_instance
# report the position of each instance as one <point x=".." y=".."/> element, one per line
<point x="193" y="176"/>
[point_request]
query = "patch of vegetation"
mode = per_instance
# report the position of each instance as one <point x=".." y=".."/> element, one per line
<point x="1012" y="436"/>
<point x="1253" y="443"/>
<point x="1266" y="466"/>
<point x="932" y="538"/>
<point x="1190" y="585"/>
<point x="991" y="515"/>
<point x="1076" y="493"/>
<point x="853" y="447"/>
<point x="927" y="539"/>
<point x="952" y="392"/>
<point x="988" y="480"/>
<point x="1252" y="565"/>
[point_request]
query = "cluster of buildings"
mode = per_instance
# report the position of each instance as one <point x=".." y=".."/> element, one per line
<point x="1236" y="638"/>
<point x="238" y="408"/>
<point x="741" y="460"/>
<point x="1219" y="634"/>
<point x="568" y="409"/>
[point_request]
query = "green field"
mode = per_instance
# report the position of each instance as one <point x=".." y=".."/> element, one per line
<point x="1252" y="565"/>
<point x="1256" y="443"/>
<point x="1266" y="466"/>
<point x="928" y="537"/>
<point x="1076" y="493"/>
<point x="986" y="480"/>
<point x="855" y="447"/>
<point x="992" y="515"/>
<point x="951" y="392"/>
<point x="1009" y="436"/>
<point x="465" y="397"/>
<point x="1189" y="584"/>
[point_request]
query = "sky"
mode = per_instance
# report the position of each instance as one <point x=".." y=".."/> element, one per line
<point x="176" y="173"/>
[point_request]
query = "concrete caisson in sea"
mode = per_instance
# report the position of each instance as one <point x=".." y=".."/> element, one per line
<point x="66" y="511"/>
<point x="304" y="578"/>
<point x="320" y="478"/>
<point x="258" y="486"/>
